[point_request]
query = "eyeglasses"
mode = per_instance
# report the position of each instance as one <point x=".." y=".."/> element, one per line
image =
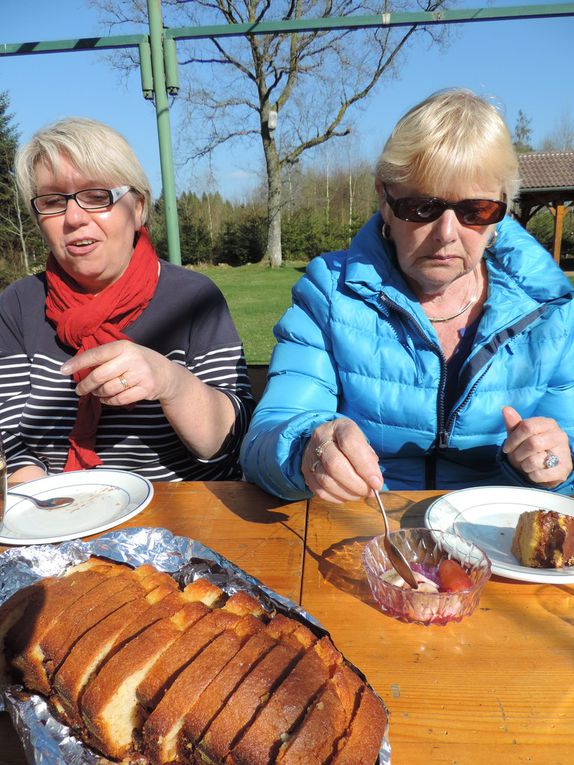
<point x="470" y="212"/>
<point x="87" y="199"/>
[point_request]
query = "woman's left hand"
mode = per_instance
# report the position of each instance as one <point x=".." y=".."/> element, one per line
<point x="123" y="373"/>
<point x="532" y="443"/>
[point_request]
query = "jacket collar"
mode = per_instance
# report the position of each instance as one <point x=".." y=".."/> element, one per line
<point x="521" y="278"/>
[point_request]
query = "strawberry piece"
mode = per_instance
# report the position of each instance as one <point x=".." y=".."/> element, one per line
<point x="453" y="577"/>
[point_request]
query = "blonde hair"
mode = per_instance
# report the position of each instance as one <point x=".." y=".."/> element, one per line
<point x="449" y="139"/>
<point x="96" y="150"/>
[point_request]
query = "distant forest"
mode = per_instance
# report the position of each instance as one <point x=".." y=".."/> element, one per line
<point x="322" y="210"/>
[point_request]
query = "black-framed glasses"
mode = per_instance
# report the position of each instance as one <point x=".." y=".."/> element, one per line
<point x="87" y="199"/>
<point x="470" y="212"/>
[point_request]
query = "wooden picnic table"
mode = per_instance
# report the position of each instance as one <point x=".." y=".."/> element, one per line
<point x="496" y="688"/>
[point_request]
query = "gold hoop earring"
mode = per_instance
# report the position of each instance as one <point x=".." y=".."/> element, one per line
<point x="386" y="232"/>
<point x="492" y="241"/>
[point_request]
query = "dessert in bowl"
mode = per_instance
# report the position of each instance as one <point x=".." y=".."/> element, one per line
<point x="450" y="571"/>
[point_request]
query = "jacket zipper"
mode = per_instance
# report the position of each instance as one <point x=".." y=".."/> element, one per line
<point x="442" y="434"/>
<point x="448" y="428"/>
<point x="444" y="428"/>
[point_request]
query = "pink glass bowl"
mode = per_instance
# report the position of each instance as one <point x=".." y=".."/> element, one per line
<point x="427" y="548"/>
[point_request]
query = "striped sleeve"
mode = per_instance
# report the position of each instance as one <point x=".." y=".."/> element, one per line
<point x="14" y="394"/>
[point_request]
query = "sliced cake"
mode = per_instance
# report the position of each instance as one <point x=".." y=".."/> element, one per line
<point x="544" y="539"/>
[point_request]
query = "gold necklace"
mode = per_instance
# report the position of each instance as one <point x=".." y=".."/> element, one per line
<point x="471" y="302"/>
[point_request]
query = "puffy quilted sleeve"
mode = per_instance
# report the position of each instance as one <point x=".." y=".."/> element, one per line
<point x="558" y="400"/>
<point x="543" y="276"/>
<point x="302" y="388"/>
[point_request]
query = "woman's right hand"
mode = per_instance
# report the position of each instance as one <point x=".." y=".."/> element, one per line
<point x="338" y="463"/>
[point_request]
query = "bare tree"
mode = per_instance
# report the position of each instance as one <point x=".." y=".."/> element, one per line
<point x="562" y="137"/>
<point x="293" y="92"/>
<point x="16" y="223"/>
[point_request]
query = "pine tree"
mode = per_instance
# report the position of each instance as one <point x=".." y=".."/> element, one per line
<point x="19" y="238"/>
<point x="8" y="144"/>
<point x="522" y="133"/>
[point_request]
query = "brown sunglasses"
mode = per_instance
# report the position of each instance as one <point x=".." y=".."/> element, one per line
<point x="470" y="212"/>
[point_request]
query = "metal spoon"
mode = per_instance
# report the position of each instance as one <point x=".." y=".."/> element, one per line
<point x="398" y="560"/>
<point x="46" y="504"/>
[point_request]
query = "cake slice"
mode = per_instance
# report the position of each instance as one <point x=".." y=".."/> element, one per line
<point x="290" y="632"/>
<point x="314" y="742"/>
<point x="260" y="743"/>
<point x="180" y="653"/>
<point x="99" y="643"/>
<point x="218" y="692"/>
<point x="165" y="601"/>
<point x="161" y="729"/>
<point x="56" y="596"/>
<point x="109" y="706"/>
<point x="242" y="604"/>
<point x="184" y="650"/>
<point x="362" y="740"/>
<point x="544" y="539"/>
<point x="87" y="611"/>
<point x="252" y="693"/>
<point x="11" y="611"/>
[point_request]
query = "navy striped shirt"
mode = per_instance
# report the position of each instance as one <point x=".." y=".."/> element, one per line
<point x="187" y="321"/>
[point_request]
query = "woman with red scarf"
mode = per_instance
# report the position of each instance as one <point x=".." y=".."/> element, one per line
<point x="112" y="357"/>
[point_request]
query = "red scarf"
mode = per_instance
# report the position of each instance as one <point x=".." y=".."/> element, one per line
<point x="84" y="321"/>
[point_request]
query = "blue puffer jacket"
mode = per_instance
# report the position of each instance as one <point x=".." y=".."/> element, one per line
<point x="356" y="343"/>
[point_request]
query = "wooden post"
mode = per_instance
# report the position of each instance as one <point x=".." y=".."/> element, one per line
<point x="524" y="213"/>
<point x="558" y="228"/>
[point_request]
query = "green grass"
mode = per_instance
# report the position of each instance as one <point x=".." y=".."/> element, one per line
<point x="257" y="296"/>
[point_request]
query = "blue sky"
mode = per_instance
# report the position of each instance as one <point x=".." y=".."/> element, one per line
<point x="522" y="64"/>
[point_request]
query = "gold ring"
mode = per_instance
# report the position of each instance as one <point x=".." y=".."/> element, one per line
<point x="321" y="448"/>
<point x="125" y="384"/>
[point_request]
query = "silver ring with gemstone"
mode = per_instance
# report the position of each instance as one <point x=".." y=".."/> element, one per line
<point x="551" y="460"/>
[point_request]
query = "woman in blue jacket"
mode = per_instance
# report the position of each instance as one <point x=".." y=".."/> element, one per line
<point x="438" y="351"/>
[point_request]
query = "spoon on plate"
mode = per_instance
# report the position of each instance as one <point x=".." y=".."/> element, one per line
<point x="45" y="504"/>
<point x="398" y="560"/>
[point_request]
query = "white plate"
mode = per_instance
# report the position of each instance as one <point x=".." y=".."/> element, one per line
<point x="102" y="499"/>
<point x="488" y="516"/>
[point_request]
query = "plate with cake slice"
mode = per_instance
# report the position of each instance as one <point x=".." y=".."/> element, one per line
<point x="528" y="534"/>
<point x="102" y="499"/>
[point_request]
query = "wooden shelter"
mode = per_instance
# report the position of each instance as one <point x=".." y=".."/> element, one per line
<point x="547" y="180"/>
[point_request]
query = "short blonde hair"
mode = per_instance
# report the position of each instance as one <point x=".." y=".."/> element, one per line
<point x="96" y="150"/>
<point x="451" y="137"/>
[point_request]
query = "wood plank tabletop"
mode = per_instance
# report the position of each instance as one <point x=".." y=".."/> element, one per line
<point x="496" y="688"/>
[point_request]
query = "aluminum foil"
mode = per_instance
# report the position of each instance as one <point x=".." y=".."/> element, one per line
<point x="45" y="740"/>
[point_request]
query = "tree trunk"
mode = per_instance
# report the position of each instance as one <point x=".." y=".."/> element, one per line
<point x="351" y="196"/>
<point x="21" y="234"/>
<point x="210" y="221"/>
<point x="327" y="193"/>
<point x="273" y="253"/>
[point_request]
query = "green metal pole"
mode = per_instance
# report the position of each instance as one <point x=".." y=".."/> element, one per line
<point x="164" y="130"/>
